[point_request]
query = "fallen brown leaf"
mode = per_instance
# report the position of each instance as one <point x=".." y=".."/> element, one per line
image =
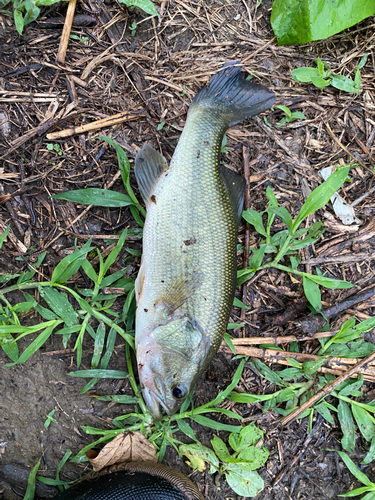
<point x="129" y="447"/>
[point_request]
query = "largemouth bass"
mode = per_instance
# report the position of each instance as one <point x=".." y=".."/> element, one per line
<point x="186" y="282"/>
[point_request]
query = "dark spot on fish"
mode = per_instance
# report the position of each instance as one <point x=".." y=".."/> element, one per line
<point x="206" y="143"/>
<point x="184" y="251"/>
<point x="153" y="198"/>
<point x="141" y="159"/>
<point x="198" y="153"/>
<point x="190" y="242"/>
<point x="204" y="298"/>
<point x="161" y="281"/>
<point x="217" y="187"/>
<point x="140" y="366"/>
<point x="145" y="310"/>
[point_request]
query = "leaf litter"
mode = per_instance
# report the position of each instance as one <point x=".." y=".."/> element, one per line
<point x="284" y="159"/>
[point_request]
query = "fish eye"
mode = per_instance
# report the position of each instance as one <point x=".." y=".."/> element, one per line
<point x="179" y="392"/>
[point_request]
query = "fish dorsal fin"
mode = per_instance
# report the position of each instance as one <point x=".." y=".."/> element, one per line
<point x="177" y="292"/>
<point x="235" y="185"/>
<point x="149" y="165"/>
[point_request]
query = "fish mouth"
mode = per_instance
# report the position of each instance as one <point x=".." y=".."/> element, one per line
<point x="155" y="403"/>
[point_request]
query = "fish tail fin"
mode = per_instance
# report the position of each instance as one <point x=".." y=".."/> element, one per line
<point x="234" y="97"/>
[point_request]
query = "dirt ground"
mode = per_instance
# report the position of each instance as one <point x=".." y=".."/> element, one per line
<point x="162" y="63"/>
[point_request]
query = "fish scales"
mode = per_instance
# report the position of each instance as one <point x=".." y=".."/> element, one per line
<point x="187" y="279"/>
<point x="190" y="229"/>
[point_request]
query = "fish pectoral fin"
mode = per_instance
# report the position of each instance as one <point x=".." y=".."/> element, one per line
<point x="149" y="165"/>
<point x="235" y="185"/>
<point x="139" y="282"/>
<point x="178" y="291"/>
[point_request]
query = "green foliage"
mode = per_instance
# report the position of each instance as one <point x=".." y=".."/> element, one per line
<point x="55" y="147"/>
<point x="286" y="243"/>
<point x="61" y="318"/>
<point x="291" y="116"/>
<point x="24" y="11"/>
<point x="27" y="11"/>
<point x="145" y="5"/>
<point x="369" y="487"/>
<point x="322" y="76"/>
<point x="301" y="21"/>
<point x="238" y="467"/>
<point x="223" y="149"/>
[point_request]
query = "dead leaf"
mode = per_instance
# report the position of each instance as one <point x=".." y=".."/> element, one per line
<point x="129" y="447"/>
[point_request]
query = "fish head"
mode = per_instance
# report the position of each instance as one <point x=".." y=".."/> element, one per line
<point x="170" y="360"/>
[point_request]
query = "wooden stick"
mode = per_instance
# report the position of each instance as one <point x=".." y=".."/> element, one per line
<point x="102" y="123"/>
<point x="328" y="389"/>
<point x="60" y="59"/>
<point x="273" y="356"/>
<point x="280" y="340"/>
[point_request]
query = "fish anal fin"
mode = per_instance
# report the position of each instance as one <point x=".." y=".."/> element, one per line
<point x="149" y="165"/>
<point x="235" y="185"/>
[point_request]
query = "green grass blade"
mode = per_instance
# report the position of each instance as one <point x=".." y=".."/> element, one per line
<point x="30" y="490"/>
<point x="96" y="197"/>
<point x="100" y="373"/>
<point x="212" y="424"/>
<point x="321" y="195"/>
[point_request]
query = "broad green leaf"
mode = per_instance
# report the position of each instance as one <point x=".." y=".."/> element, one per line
<point x="145" y="5"/>
<point x="364" y="421"/>
<point x="341" y="82"/>
<point x="312" y="293"/>
<point x="97" y="197"/>
<point x="298" y="115"/>
<point x="354" y="469"/>
<point x="9" y="346"/>
<point x="305" y="74"/>
<point x="59" y="304"/>
<point x="244" y="483"/>
<point x="249" y="436"/>
<point x="255" y="219"/>
<point x="321" y="195"/>
<point x="351" y="387"/>
<point x="320" y="82"/>
<point x="18" y="21"/>
<point x="254" y="457"/>
<point x="220" y="449"/>
<point x="198" y="455"/>
<point x="301" y="21"/>
<point x="285" y="109"/>
<point x="32" y="12"/>
<point x="347" y="426"/>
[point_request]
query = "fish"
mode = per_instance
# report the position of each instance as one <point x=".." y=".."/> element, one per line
<point x="133" y="481"/>
<point x="187" y="278"/>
